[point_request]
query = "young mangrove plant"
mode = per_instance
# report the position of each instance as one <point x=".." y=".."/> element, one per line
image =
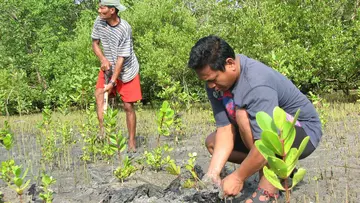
<point x="173" y="169"/>
<point x="110" y="122"/>
<point x="277" y="137"/>
<point x="18" y="181"/>
<point x="117" y="143"/>
<point x="156" y="159"/>
<point x="6" y="171"/>
<point x="88" y="131"/>
<point x="194" y="181"/>
<point x="6" y="136"/>
<point x="47" y="194"/>
<point x="165" y="118"/>
<point x="126" y="170"/>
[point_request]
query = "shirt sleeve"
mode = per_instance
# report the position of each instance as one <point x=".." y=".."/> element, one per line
<point x="124" y="48"/>
<point x="95" y="31"/>
<point x="258" y="99"/>
<point x="218" y="108"/>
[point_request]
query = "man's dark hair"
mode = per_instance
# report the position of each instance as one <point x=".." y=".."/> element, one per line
<point x="212" y="51"/>
<point x="116" y="10"/>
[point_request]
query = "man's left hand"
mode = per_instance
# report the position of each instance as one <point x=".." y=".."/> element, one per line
<point x="232" y="185"/>
<point x="108" y="87"/>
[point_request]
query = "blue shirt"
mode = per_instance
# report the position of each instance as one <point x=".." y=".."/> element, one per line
<point x="261" y="88"/>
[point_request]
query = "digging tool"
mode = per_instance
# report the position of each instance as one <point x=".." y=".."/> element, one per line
<point x="107" y="75"/>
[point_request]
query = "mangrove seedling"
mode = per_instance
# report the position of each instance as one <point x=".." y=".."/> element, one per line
<point x="110" y="122"/>
<point x="47" y="194"/>
<point x="173" y="169"/>
<point x="190" y="166"/>
<point x="46" y="118"/>
<point x="126" y="170"/>
<point x="165" y="118"/>
<point x="117" y="143"/>
<point x="277" y="137"/>
<point x="6" y="170"/>
<point x="6" y="137"/>
<point x="88" y="132"/>
<point x="156" y="160"/>
<point x="18" y="180"/>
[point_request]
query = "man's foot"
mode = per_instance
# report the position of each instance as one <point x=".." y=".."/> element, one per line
<point x="132" y="146"/>
<point x="262" y="196"/>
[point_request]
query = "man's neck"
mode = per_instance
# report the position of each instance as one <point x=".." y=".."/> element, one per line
<point x="237" y="62"/>
<point x="113" y="21"/>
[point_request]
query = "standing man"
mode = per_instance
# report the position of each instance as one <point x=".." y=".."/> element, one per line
<point x="118" y="57"/>
<point x="238" y="87"/>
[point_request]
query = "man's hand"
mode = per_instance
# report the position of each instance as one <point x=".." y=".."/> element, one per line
<point x="232" y="185"/>
<point x="108" y="87"/>
<point x="211" y="179"/>
<point x="105" y="64"/>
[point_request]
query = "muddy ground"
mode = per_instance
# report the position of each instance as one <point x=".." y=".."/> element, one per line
<point x="332" y="170"/>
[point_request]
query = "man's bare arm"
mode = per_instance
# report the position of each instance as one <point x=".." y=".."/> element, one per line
<point x="224" y="144"/>
<point x="254" y="160"/>
<point x="118" y="67"/>
<point x="105" y="64"/>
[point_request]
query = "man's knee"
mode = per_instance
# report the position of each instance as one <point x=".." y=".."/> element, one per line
<point x="128" y="107"/>
<point x="210" y="142"/>
<point x="98" y="94"/>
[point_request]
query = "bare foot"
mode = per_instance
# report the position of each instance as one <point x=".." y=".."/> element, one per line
<point x="132" y="146"/>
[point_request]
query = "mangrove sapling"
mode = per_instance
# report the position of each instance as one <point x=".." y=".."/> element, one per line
<point x="6" y="170"/>
<point x="6" y="137"/>
<point x="194" y="181"/>
<point x="18" y="181"/>
<point x="173" y="169"/>
<point x="49" y="148"/>
<point x="66" y="135"/>
<point x="156" y="160"/>
<point x="126" y="170"/>
<point x="117" y="143"/>
<point x="88" y="131"/>
<point x="110" y="122"/>
<point x="277" y="137"/>
<point x="47" y="194"/>
<point x="165" y="118"/>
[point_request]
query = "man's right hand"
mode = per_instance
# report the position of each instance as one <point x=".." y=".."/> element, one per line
<point x="211" y="179"/>
<point x="105" y="64"/>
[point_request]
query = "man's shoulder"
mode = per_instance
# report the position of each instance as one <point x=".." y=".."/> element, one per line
<point x="125" y="23"/>
<point x="99" y="22"/>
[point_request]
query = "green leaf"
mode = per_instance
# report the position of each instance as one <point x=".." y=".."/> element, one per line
<point x="266" y="152"/>
<point x="288" y="135"/>
<point x="26" y="184"/>
<point x="302" y="146"/>
<point x="279" y="117"/>
<point x="298" y="176"/>
<point x="291" y="156"/>
<point x="296" y="117"/>
<point x="8" y="141"/>
<point x="265" y="122"/>
<point x="278" y="166"/>
<point x="271" y="141"/>
<point x="18" y="181"/>
<point x="272" y="178"/>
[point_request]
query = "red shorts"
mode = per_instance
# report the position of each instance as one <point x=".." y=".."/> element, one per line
<point x="129" y="92"/>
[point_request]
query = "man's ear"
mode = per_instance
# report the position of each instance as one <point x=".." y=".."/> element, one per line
<point x="112" y="10"/>
<point x="231" y="62"/>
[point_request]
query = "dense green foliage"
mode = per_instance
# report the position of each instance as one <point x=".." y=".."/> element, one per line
<point x="46" y="56"/>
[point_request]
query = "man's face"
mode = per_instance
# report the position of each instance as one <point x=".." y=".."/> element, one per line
<point x="105" y="12"/>
<point x="218" y="80"/>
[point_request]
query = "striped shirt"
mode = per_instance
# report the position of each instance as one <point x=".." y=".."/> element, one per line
<point x="117" y="41"/>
